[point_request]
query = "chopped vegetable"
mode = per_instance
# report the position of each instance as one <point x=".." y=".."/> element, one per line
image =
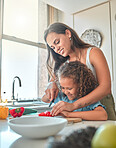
<point x="4" y="111"/>
<point x="46" y="113"/>
<point x="17" y="112"/>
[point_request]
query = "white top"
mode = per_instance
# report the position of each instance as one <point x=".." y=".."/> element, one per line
<point x="89" y="65"/>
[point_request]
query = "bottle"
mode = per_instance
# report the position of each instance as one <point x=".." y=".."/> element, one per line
<point x="4" y="100"/>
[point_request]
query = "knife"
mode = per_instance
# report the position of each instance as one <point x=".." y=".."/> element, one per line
<point x="51" y="102"/>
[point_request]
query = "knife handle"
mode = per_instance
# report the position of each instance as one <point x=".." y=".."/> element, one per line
<point x="51" y="102"/>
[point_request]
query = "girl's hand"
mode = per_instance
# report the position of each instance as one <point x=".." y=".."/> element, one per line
<point x="52" y="91"/>
<point x="62" y="106"/>
<point x="65" y="114"/>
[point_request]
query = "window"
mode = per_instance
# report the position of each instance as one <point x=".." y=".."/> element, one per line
<point x="21" y="19"/>
<point x="23" y="53"/>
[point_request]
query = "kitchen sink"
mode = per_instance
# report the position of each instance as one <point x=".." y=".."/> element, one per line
<point x="39" y="106"/>
<point x="28" y="104"/>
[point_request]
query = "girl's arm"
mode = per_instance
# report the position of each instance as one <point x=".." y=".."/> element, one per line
<point x="98" y="113"/>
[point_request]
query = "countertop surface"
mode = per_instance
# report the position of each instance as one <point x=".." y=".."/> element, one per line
<point x="9" y="139"/>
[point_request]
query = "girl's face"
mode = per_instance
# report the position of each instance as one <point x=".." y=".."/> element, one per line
<point x="68" y="87"/>
<point x="60" y="43"/>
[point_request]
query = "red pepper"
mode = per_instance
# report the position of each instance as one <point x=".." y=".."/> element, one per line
<point x="17" y="112"/>
<point x="46" y="113"/>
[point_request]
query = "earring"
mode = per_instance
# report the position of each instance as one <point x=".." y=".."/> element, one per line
<point x="70" y="38"/>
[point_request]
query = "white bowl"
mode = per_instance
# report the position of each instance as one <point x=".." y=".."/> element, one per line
<point x="37" y="127"/>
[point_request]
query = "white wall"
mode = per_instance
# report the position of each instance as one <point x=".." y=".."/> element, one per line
<point x="92" y="19"/>
<point x="68" y="19"/>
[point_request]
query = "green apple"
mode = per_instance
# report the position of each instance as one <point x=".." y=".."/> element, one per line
<point x="105" y="136"/>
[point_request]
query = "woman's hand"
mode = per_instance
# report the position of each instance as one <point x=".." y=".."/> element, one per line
<point x="62" y="106"/>
<point x="52" y="91"/>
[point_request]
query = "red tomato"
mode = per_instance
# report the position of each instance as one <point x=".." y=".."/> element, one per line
<point x="42" y="114"/>
<point x="46" y="113"/>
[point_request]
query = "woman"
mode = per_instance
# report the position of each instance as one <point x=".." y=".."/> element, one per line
<point x="76" y="81"/>
<point x="64" y="44"/>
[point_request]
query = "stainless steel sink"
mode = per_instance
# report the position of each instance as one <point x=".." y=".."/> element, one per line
<point x="28" y="104"/>
<point x="39" y="107"/>
<point x="23" y="105"/>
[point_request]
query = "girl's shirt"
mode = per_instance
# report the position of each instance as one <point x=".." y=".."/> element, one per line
<point x="61" y="97"/>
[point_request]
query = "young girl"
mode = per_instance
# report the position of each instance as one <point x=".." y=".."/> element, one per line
<point x="76" y="81"/>
<point x="64" y="44"/>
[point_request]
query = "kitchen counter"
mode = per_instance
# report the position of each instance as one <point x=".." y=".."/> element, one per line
<point x="9" y="139"/>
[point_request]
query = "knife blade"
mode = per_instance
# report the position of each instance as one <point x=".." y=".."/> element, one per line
<point x="51" y="102"/>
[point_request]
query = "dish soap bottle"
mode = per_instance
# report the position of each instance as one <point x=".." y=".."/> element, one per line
<point x="4" y="100"/>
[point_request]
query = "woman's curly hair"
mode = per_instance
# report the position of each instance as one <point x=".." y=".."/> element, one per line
<point x="80" y="74"/>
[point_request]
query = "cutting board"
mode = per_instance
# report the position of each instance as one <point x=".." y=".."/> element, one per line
<point x="70" y="120"/>
<point x="73" y="120"/>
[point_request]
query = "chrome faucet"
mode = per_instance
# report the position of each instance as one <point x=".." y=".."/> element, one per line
<point x="13" y="97"/>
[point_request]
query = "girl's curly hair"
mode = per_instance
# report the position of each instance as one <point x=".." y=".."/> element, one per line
<point x="80" y="74"/>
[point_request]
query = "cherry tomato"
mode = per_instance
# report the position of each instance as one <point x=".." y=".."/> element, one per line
<point x="46" y="113"/>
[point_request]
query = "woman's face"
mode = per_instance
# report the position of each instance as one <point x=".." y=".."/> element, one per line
<point x="68" y="87"/>
<point x="60" y="43"/>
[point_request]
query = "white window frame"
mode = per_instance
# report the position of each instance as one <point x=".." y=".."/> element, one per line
<point x="11" y="38"/>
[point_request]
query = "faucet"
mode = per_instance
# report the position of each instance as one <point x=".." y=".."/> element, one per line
<point x="13" y="97"/>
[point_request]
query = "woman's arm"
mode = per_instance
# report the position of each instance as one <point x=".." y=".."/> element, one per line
<point x="51" y="90"/>
<point x="99" y="62"/>
<point x="97" y="114"/>
<point x="45" y="98"/>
